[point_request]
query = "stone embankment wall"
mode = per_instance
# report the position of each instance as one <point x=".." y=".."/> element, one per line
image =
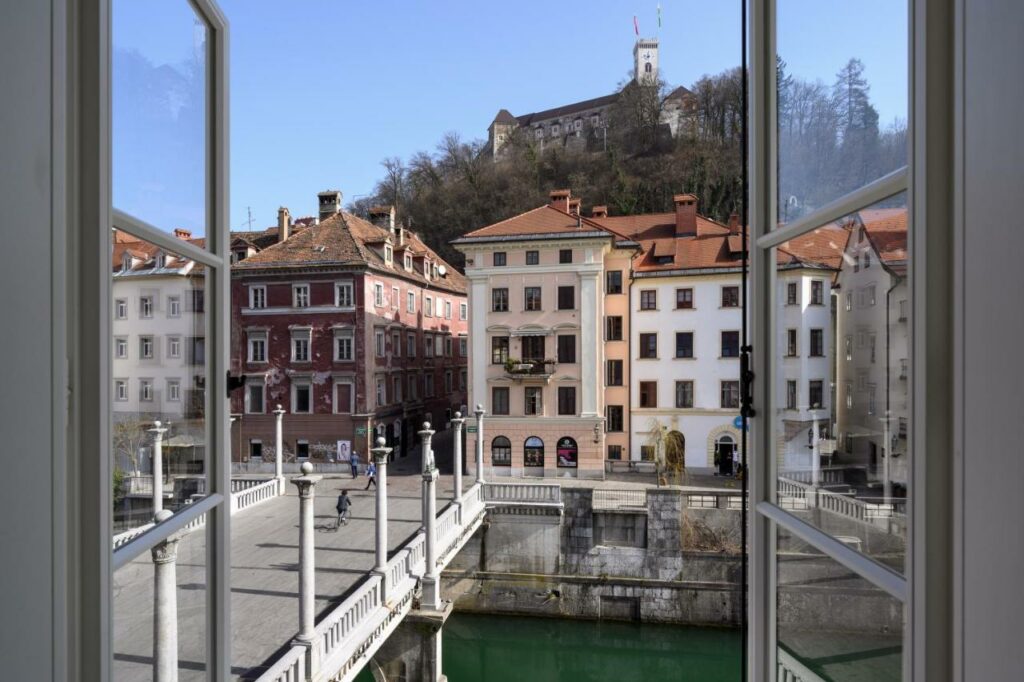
<point x="664" y="562"/>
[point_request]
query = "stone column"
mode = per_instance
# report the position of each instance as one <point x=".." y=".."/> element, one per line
<point x="279" y="449"/>
<point x="815" y="452"/>
<point x="457" y="423"/>
<point x="479" y="412"/>
<point x="380" y="458"/>
<point x="158" y="432"/>
<point x="431" y="584"/>
<point x="165" y="606"/>
<point x="306" y="483"/>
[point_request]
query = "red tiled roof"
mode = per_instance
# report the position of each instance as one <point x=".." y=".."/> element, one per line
<point x="145" y="252"/>
<point x="544" y="220"/>
<point x="887" y="230"/>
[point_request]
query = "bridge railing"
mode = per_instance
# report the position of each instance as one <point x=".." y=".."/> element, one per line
<point x="522" y="493"/>
<point x="798" y="496"/>
<point x="623" y="498"/>
<point x="792" y="670"/>
<point x="289" y="668"/>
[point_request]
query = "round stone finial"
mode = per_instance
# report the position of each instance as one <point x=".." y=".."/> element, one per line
<point x="479" y="407"/>
<point x="279" y="407"/>
<point x="157" y="425"/>
<point x="426" y="426"/>
<point x="162" y="515"/>
<point x="381" y="442"/>
<point x="458" y="415"/>
<point x="306" y="468"/>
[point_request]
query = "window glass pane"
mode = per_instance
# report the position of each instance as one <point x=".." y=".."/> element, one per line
<point x="842" y="99"/>
<point x="833" y="624"/>
<point x="158" y="386"/>
<point x="842" y="409"/>
<point x="182" y="560"/>
<point x="159" y="81"/>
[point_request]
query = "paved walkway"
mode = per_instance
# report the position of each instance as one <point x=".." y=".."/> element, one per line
<point x="264" y="574"/>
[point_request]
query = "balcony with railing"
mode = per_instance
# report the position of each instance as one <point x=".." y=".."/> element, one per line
<point x="526" y="369"/>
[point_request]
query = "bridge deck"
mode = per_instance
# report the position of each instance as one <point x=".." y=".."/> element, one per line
<point x="264" y="574"/>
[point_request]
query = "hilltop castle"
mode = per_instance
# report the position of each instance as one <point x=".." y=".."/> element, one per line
<point x="570" y="123"/>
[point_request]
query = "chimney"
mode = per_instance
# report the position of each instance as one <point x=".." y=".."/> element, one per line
<point x="284" y="224"/>
<point x="599" y="212"/>
<point x="330" y="203"/>
<point x="734" y="222"/>
<point x="574" y="206"/>
<point x="383" y="216"/>
<point x="560" y="199"/>
<point x="182" y="233"/>
<point x="686" y="214"/>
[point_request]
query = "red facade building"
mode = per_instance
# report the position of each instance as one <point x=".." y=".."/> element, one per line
<point x="357" y="329"/>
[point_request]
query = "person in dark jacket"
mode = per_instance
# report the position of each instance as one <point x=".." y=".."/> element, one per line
<point x="344" y="502"/>
<point x="355" y="465"/>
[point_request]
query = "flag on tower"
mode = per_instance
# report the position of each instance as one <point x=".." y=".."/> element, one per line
<point x="659" y="15"/>
<point x="636" y="26"/>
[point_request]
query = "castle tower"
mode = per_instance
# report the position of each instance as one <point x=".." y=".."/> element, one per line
<point x="645" y="60"/>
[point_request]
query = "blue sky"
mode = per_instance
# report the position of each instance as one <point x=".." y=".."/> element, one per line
<point x="322" y="90"/>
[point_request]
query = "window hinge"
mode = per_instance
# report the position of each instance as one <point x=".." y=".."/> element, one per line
<point x="746" y="383"/>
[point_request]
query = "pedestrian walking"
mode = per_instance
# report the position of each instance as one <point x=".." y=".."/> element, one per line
<point x="371" y="473"/>
<point x="344" y="502"/>
<point x="354" y="461"/>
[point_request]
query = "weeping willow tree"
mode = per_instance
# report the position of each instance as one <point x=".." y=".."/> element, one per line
<point x="669" y="452"/>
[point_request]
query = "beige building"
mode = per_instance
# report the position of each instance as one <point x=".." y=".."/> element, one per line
<point x="541" y="285"/>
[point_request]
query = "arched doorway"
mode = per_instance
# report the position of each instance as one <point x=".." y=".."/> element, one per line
<point x="725" y="451"/>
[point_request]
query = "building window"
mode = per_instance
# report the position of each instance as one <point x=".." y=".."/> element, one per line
<point x="121" y="390"/>
<point x="567" y="348"/>
<point x="791" y="343"/>
<point x="343" y="397"/>
<point x="567" y="298"/>
<point x="121" y="309"/>
<point x="648" y="346"/>
<point x="684" y="394"/>
<point x="146" y="307"/>
<point x="565" y="256"/>
<point x="534" y="348"/>
<point x="255" y="395"/>
<point x="848" y="344"/>
<point x="499" y="259"/>
<point x="379" y="344"/>
<point x="174" y="347"/>
<point x="730" y="395"/>
<point x="647" y="453"/>
<point x="566" y="400"/>
<point x="255" y="449"/>
<point x="613" y="282"/>
<point x="613" y="419"/>
<point x="849" y="394"/>
<point x="463" y="311"/>
<point x="410" y="345"/>
<point x="867" y="260"/>
<point x="817" y="343"/>
<point x="121" y="348"/>
<point x="378" y="295"/>
<point x="300" y="345"/>
<point x="302" y="449"/>
<point x="410" y="302"/>
<point x="791" y="395"/>
<point x="684" y="299"/>
<point x="344" y="294"/>
<point x="499" y="300"/>
<point x="197" y="299"/>
<point x="439" y="345"/>
<point x="447" y="310"/>
<point x="499" y="400"/>
<point x="382" y="392"/>
<point x="648" y="394"/>
<point x="792" y="296"/>
<point x="174" y="390"/>
<point x="871" y="295"/>
<point x="871" y="347"/>
<point x="534" y="400"/>
<point x="407" y="262"/>
<point x="173" y="306"/>
<point x="615" y="452"/>
<point x="532" y="257"/>
<point x="463" y="347"/>
<point x="849" y="301"/>
<point x="501" y="452"/>
<point x="257" y="297"/>
<point x="258" y="347"/>
<point x="613" y="328"/>
<point x="344" y="346"/>
<point x="684" y="344"/>
<point x="428" y="306"/>
<point x="300" y="295"/>
<point x="447" y="346"/>
<point x="613" y="373"/>
<point x="146" y="390"/>
<point x="428" y="346"/>
<point x="531" y="298"/>
<point x="396" y="343"/>
<point x="817" y="292"/>
<point x="730" y="297"/>
<point x="816" y="394"/>
<point x="302" y="398"/>
<point x="146" y="347"/>
<point x="730" y="344"/>
<point x="871" y="399"/>
<point x="462" y="379"/>
<point x="648" y="299"/>
<point x="413" y="391"/>
<point x="533" y="452"/>
<point x="428" y="385"/>
<point x="396" y="389"/>
<point x="389" y="254"/>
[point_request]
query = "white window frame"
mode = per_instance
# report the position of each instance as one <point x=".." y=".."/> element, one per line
<point x="447" y="309"/>
<point x="346" y="335"/>
<point x="145" y="390"/>
<point x="147" y="347"/>
<point x="410" y="302"/>
<point x="173" y="306"/>
<point x="410" y="344"/>
<point x="121" y="390"/>
<point x="300" y="295"/>
<point x="396" y="389"/>
<point x="249" y="386"/>
<point x="295" y="386"/>
<point x="121" y="309"/>
<point x="297" y="337"/>
<point x="344" y="294"/>
<point x="257" y="296"/>
<point x="396" y="297"/>
<point x="379" y="343"/>
<point x="428" y="306"/>
<point x="463" y="311"/>
<point x="145" y="307"/>
<point x="174" y="347"/>
<point x="378" y="294"/>
<point x="121" y="347"/>
<point x="255" y="338"/>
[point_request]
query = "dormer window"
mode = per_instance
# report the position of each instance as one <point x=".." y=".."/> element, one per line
<point x="554" y="130"/>
<point x="426" y="268"/>
<point x="408" y="262"/>
<point x="126" y="262"/>
<point x="388" y="254"/>
<point x="159" y="260"/>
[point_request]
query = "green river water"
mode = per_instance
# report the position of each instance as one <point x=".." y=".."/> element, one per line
<point x="480" y="648"/>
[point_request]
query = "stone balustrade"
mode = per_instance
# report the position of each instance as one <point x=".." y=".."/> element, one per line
<point x="522" y="493"/>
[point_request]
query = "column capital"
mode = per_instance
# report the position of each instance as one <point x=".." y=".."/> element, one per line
<point x="158" y="429"/>
<point x="479" y="411"/>
<point x="279" y="411"/>
<point x="458" y="420"/>
<point x="307" y="482"/>
<point x="166" y="551"/>
<point x="380" y="453"/>
<point x="430" y="476"/>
